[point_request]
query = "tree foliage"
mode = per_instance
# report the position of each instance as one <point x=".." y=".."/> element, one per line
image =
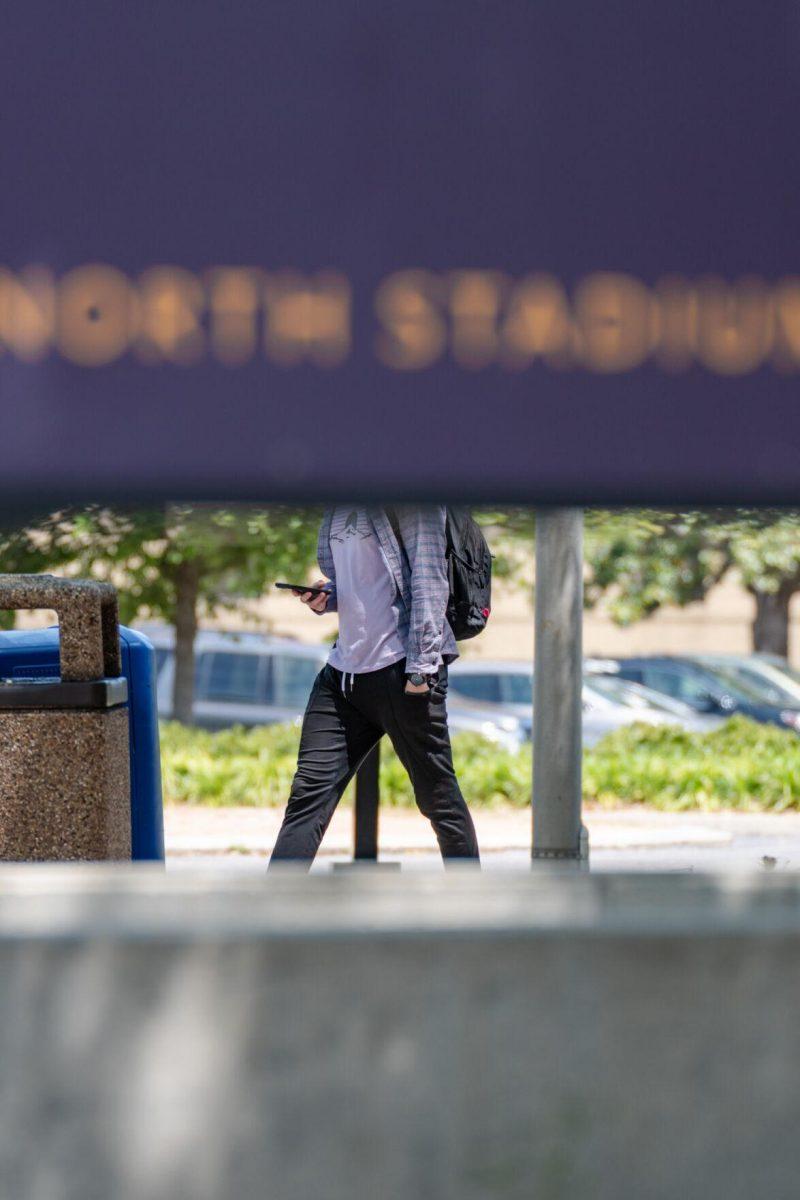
<point x="644" y="559"/>
<point x="171" y="563"/>
<point x="237" y="550"/>
<point x="638" y="560"/>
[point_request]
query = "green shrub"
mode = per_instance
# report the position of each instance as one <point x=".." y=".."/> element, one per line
<point x="254" y="767"/>
<point x="740" y="765"/>
<point x="237" y="766"/>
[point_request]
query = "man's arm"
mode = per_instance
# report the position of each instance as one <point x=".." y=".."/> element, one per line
<point x="325" y="562"/>
<point x="423" y="533"/>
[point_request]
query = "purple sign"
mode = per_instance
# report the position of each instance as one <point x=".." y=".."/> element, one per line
<point x="514" y="252"/>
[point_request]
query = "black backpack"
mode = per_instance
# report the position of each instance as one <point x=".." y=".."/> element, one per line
<point x="469" y="571"/>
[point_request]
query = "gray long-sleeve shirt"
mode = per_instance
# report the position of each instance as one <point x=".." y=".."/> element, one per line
<point x="419" y="571"/>
<point x="368" y="602"/>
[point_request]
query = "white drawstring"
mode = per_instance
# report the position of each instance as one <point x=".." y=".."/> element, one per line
<point x="344" y="676"/>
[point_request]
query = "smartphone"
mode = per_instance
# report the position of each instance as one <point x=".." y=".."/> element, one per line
<point x="304" y="587"/>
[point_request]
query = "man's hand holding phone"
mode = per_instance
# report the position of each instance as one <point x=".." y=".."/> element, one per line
<point x="315" y="597"/>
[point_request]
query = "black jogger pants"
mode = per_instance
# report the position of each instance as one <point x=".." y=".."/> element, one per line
<point x="340" y="727"/>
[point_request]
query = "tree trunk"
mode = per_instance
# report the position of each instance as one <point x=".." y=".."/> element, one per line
<point x="187" y="588"/>
<point x="771" y="624"/>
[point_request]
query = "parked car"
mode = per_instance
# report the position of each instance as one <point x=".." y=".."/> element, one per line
<point x="509" y="730"/>
<point x="781" y="664"/>
<point x="608" y="704"/>
<point x="708" y="689"/>
<point x="769" y="675"/>
<point x="253" y="679"/>
<point x="642" y="703"/>
<point x="240" y="678"/>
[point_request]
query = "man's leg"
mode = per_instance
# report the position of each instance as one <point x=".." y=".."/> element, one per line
<point x="335" y="738"/>
<point x="417" y="726"/>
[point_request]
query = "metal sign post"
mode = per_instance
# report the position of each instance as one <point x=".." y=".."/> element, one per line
<point x="558" y="835"/>
<point x="365" y="816"/>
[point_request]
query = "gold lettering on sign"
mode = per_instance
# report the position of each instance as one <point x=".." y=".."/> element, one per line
<point x="786" y="348"/>
<point x="414" y="332"/>
<point x="477" y="318"/>
<point x="677" y="305"/>
<point x="27" y="312"/>
<point x="617" y="322"/>
<point x="307" y="318"/>
<point x="476" y="298"/>
<point x="234" y="301"/>
<point x="97" y="315"/>
<point x="734" y="325"/>
<point x="173" y="302"/>
<point x="538" y="324"/>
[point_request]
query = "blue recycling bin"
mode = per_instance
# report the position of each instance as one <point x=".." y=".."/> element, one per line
<point x="31" y="654"/>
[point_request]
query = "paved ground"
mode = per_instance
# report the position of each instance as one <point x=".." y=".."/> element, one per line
<point x="623" y="839"/>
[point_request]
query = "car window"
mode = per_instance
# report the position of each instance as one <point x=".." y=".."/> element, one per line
<point x="161" y="656"/>
<point x="516" y="689"/>
<point x="728" y="681"/>
<point x="757" y="686"/>
<point x="480" y="686"/>
<point x="680" y="684"/>
<point x="235" y="678"/>
<point x="664" y="679"/>
<point x="625" y="672"/>
<point x="201" y="664"/>
<point x="767" y="689"/>
<point x="614" y="689"/>
<point x="780" y="664"/>
<point x="292" y="679"/>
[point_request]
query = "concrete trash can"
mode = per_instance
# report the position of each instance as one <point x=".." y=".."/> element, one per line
<point x="33" y="653"/>
<point x="64" y="753"/>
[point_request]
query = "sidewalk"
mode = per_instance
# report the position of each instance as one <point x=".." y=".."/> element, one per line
<point x="626" y="839"/>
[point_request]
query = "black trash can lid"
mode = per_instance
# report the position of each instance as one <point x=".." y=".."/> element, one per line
<point x="55" y="692"/>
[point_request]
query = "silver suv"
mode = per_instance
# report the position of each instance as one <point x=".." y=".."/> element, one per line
<point x="239" y="678"/>
<point x="253" y="679"/>
<point x="505" y="686"/>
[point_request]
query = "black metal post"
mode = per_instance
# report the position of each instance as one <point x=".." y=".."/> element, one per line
<point x="366" y="807"/>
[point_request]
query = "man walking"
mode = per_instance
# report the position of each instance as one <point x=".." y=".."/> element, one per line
<point x="386" y="673"/>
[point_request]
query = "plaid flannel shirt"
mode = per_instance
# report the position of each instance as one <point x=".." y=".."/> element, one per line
<point x="420" y="575"/>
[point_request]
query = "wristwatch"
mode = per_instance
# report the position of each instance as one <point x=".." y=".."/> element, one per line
<point x="417" y="679"/>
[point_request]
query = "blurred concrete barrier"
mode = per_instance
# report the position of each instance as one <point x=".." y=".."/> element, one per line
<point x="454" y="1036"/>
